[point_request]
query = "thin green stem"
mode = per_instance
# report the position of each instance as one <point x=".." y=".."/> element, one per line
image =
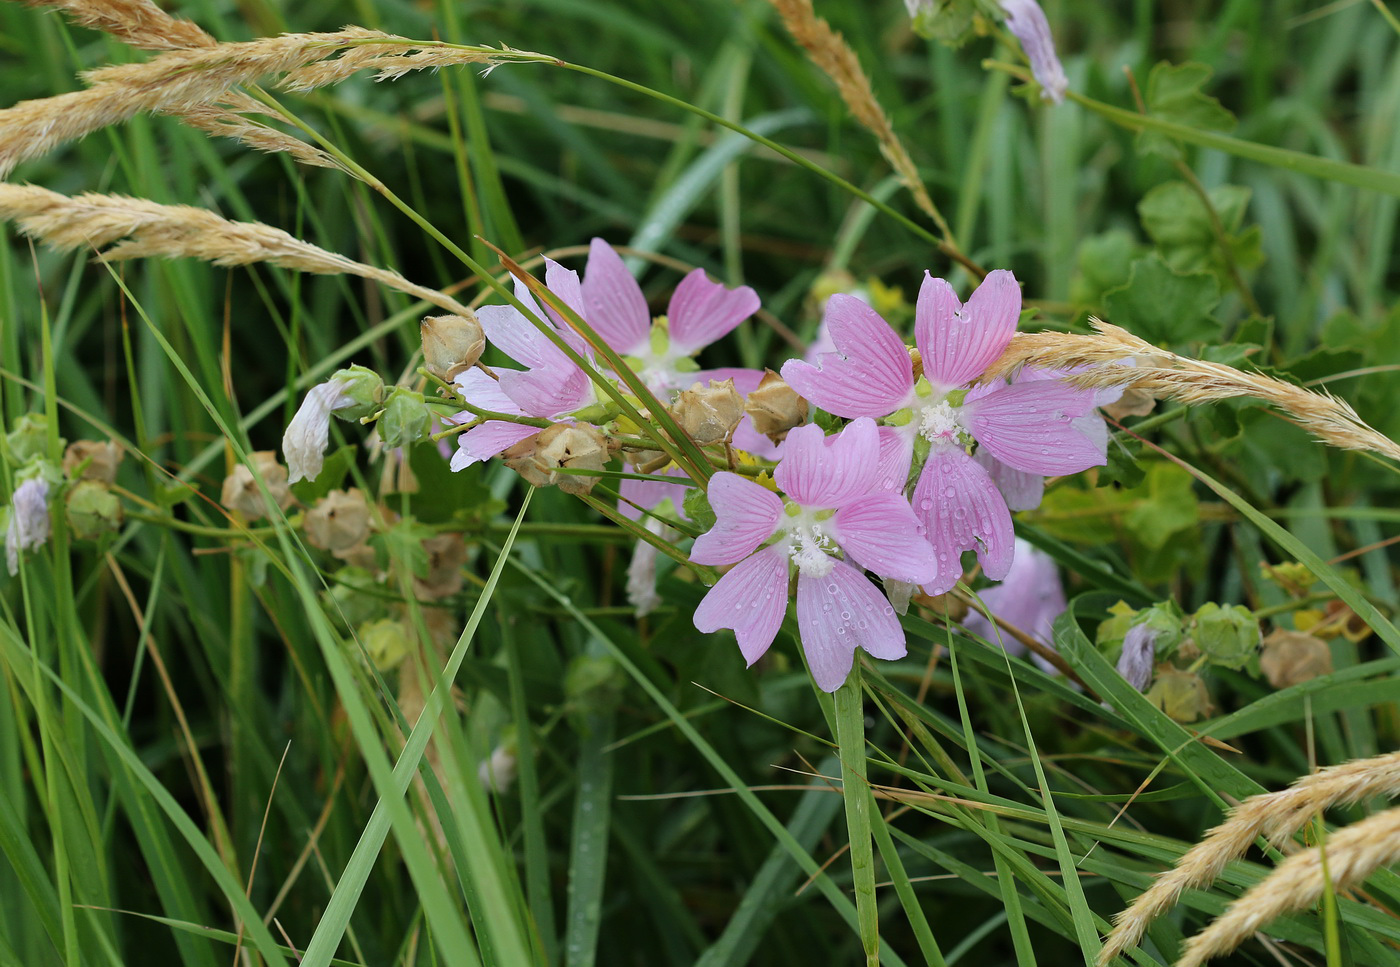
<point x="850" y="737"/>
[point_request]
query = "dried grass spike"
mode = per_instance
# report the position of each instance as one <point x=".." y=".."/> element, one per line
<point x="139" y="23"/>
<point x="1351" y="854"/>
<point x="1275" y="816"/>
<point x="127" y="228"/>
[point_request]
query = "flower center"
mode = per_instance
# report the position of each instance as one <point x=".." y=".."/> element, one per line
<point x="809" y="544"/>
<point x="939" y="423"/>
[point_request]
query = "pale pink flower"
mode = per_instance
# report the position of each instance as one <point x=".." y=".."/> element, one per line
<point x="29" y="520"/>
<point x="1026" y="20"/>
<point x="1029" y="426"/>
<point x="834" y="522"/>
<point x="1030" y="598"/>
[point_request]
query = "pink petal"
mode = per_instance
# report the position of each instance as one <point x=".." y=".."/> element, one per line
<point x="485" y="441"/>
<point x="749" y="440"/>
<point x="702" y="311"/>
<point x="745" y="516"/>
<point x="958" y="342"/>
<point x="881" y="532"/>
<point x="896" y="457"/>
<point x="870" y="374"/>
<point x="745" y="380"/>
<point x="961" y="510"/>
<point x="507" y="329"/>
<point x="564" y="283"/>
<point x="1023" y="491"/>
<point x="1029" y="426"/>
<point x="821" y="471"/>
<point x="751" y="599"/>
<point x="481" y="390"/>
<point x="549" y="391"/>
<point x="613" y="301"/>
<point x="1030" y="598"/>
<point x="1027" y="22"/>
<point x="648" y="493"/>
<point x="839" y="613"/>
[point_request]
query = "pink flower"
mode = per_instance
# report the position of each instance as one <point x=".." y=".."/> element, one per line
<point x="1026" y="20"/>
<point x="700" y="313"/>
<point x="1027" y="426"/>
<point x="1030" y="598"/>
<point x="835" y="506"/>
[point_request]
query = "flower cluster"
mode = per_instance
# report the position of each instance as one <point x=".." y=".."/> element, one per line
<point x="912" y="460"/>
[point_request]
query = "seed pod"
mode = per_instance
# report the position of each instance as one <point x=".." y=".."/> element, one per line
<point x="92" y="460"/>
<point x="363" y="387"/>
<point x="775" y="407"/>
<point x="451" y="345"/>
<point x="447" y="552"/>
<point x="709" y="414"/>
<point x="405" y="419"/>
<point x="387" y="642"/>
<point x="1182" y="695"/>
<point x="93" y="510"/>
<point x="240" y="489"/>
<point x="339" y="521"/>
<point x="1290" y="657"/>
<point x="579" y="446"/>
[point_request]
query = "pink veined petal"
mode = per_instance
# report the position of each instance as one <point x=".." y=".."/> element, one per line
<point x="749" y="440"/>
<point x="508" y="330"/>
<point x="839" y="613"/>
<point x="1023" y="491"/>
<point x="961" y="510"/>
<point x="648" y="493"/>
<point x="702" y="311"/>
<point x="958" y="342"/>
<point x="549" y="391"/>
<point x="1030" y="597"/>
<point x="481" y="390"/>
<point x="751" y="599"/>
<point x="896" y="457"/>
<point x="564" y="283"/>
<point x="745" y="380"/>
<point x="1027" y="22"/>
<point x="881" y="532"/>
<point x="487" y="440"/>
<point x="1030" y="427"/>
<point x="870" y="374"/>
<point x="746" y="515"/>
<point x="821" y="471"/>
<point x="612" y="300"/>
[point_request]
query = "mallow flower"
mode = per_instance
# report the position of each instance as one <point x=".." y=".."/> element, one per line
<point x="938" y="417"/>
<point x="835" y="521"/>
<point x="29" y="520"/>
<point x="1030" y="598"/>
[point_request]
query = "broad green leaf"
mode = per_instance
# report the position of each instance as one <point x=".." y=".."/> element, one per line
<point x="1164" y="306"/>
<point x="1175" y="95"/>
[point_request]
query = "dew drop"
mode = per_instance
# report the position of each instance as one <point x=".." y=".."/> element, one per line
<point x="950" y="492"/>
<point x="845" y="616"/>
<point x="831" y="589"/>
<point x="841" y="630"/>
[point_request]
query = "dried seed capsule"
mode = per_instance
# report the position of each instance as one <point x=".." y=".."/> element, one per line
<point x="775" y="407"/>
<point x="451" y="344"/>
<point x="709" y="414"/>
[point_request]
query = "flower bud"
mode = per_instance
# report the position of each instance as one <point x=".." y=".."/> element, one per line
<point x="1228" y="636"/>
<point x="28" y="437"/>
<point x="405" y="418"/>
<point x="709" y="414"/>
<point x="362" y="391"/>
<point x="240" y="489"/>
<point x="451" y="345"/>
<point x="339" y="521"/>
<point x="387" y="642"/>
<point x="775" y="407"/>
<point x="93" y="460"/>
<point x="1290" y="657"/>
<point x="93" y="510"/>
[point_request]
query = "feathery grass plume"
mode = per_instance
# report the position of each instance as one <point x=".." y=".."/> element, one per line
<point x="1169" y="376"/>
<point x="1351" y="854"/>
<point x="1275" y="816"/>
<point x="226" y="120"/>
<point x="829" y="51"/>
<point x="139" y="23"/>
<point x="128" y="228"/>
<point x="183" y="81"/>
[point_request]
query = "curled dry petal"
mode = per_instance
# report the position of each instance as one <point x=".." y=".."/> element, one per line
<point x="1026" y="20"/>
<point x="304" y="443"/>
<point x="29" y="520"/>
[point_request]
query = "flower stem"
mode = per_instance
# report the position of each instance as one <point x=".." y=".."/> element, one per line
<point x="850" y="738"/>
